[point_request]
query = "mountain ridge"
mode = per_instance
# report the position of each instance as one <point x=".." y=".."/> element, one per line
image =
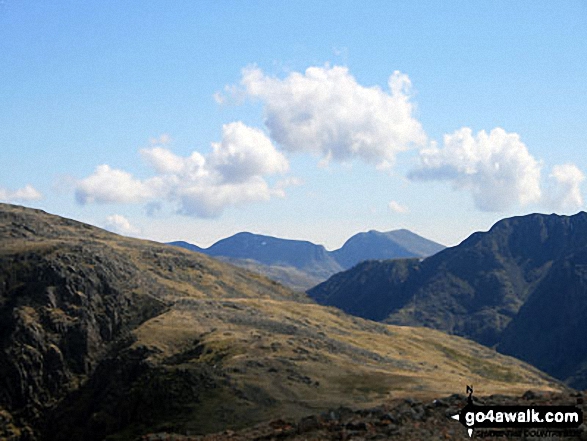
<point x="489" y="283"/>
<point x="302" y="264"/>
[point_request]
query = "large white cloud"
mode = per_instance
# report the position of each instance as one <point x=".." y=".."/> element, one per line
<point x="564" y="191"/>
<point x="326" y="112"/>
<point x="24" y="194"/>
<point x="232" y="174"/>
<point x="496" y="167"/>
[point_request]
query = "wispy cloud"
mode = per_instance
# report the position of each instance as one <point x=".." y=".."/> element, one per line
<point x="25" y="194"/>
<point x="396" y="207"/>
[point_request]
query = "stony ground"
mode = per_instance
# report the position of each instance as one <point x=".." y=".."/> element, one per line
<point x="405" y="419"/>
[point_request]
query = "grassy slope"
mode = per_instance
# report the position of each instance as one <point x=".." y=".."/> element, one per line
<point x="288" y="276"/>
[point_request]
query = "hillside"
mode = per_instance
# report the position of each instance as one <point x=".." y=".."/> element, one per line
<point x="520" y="286"/>
<point x="302" y="255"/>
<point x="103" y="335"/>
<point x="293" y="278"/>
<point x="301" y="265"/>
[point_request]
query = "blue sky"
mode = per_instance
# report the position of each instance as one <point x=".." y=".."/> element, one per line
<point x="308" y="120"/>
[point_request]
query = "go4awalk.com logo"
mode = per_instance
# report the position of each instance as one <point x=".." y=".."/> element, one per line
<point x="519" y="419"/>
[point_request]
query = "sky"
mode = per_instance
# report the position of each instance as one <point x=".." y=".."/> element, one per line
<point x="195" y="120"/>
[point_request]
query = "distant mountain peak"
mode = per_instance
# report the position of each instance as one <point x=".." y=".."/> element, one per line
<point x="314" y="260"/>
<point x="375" y="244"/>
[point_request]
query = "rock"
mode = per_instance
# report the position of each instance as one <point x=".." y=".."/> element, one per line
<point x="308" y="424"/>
<point x="418" y="413"/>
<point x="356" y="425"/>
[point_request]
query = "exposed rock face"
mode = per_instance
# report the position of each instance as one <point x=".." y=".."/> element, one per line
<point x="521" y="286"/>
<point x="550" y="328"/>
<point x="60" y="309"/>
<point x="70" y="297"/>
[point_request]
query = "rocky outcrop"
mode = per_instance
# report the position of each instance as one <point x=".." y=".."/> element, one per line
<point x="61" y="309"/>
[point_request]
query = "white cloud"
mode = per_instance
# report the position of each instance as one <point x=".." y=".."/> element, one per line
<point x="245" y="152"/>
<point x="120" y="225"/>
<point x="107" y="185"/>
<point x="219" y="98"/>
<point x="163" y="139"/>
<point x="210" y="200"/>
<point x="326" y="112"/>
<point x="232" y="174"/>
<point x="24" y="194"/>
<point x="496" y="168"/>
<point x="564" y="191"/>
<point x="166" y="162"/>
<point x="396" y="207"/>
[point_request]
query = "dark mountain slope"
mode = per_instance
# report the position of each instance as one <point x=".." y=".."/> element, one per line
<point x="369" y="284"/>
<point x="302" y="255"/>
<point x="550" y="329"/>
<point x="389" y="245"/>
<point x="477" y="288"/>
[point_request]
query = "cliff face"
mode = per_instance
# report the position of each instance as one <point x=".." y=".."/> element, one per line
<point x="62" y="305"/>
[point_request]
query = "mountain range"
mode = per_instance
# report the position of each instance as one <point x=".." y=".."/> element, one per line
<point x="520" y="287"/>
<point x="108" y="337"/>
<point x="301" y="264"/>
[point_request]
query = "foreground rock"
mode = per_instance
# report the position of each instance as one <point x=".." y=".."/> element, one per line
<point x="406" y="419"/>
